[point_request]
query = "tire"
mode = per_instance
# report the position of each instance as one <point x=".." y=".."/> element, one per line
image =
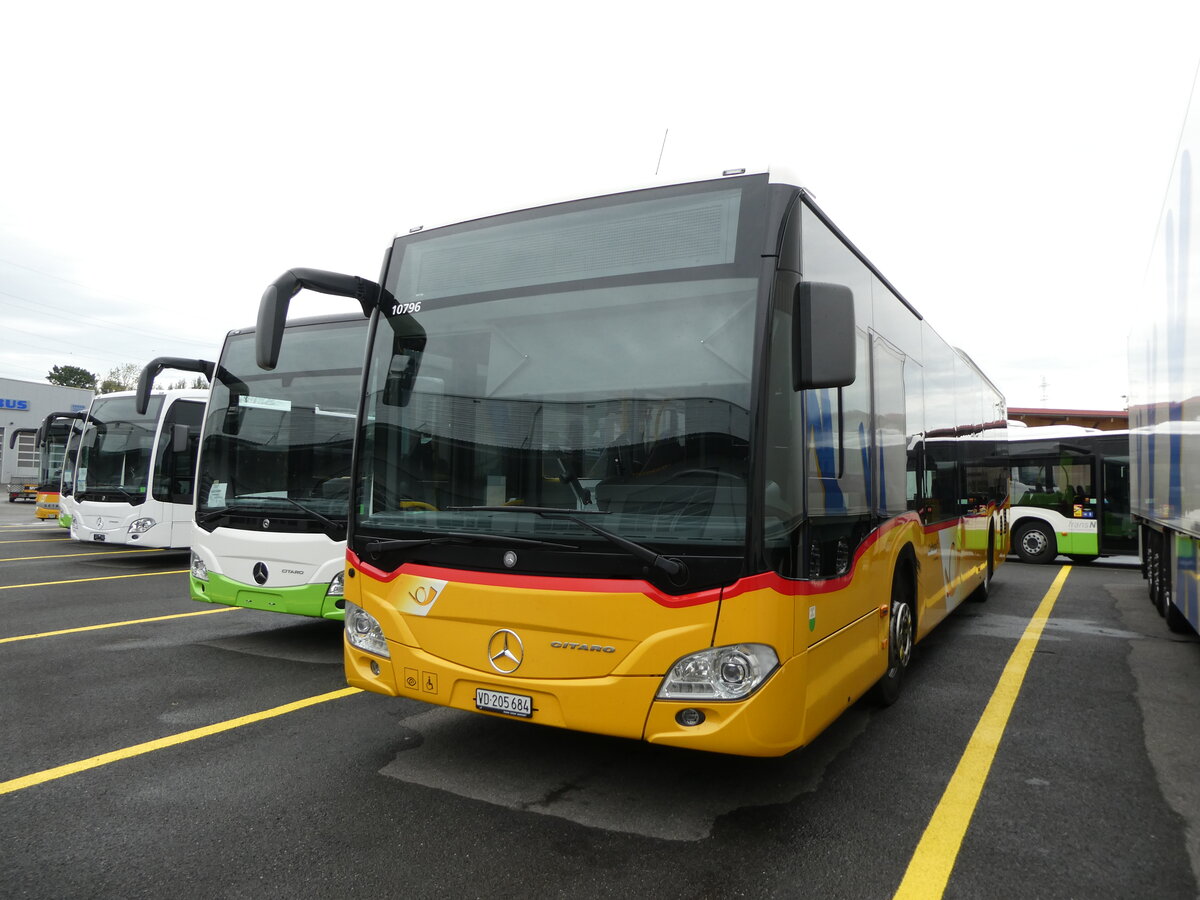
<point x="1159" y="597"/>
<point x="1036" y="544"/>
<point x="1176" y="620"/>
<point x="901" y="636"/>
<point x="981" y="593"/>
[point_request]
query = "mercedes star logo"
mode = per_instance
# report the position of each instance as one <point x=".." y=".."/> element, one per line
<point x="505" y="651"/>
<point x="266" y="523"/>
<point x="260" y="572"/>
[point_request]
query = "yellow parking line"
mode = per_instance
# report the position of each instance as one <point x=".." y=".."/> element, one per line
<point x="929" y="869"/>
<point x="9" y="587"/>
<point x="17" y="784"/>
<point x="69" y="555"/>
<point x="44" y="634"/>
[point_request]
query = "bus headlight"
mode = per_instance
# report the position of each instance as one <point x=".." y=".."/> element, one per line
<point x="363" y="631"/>
<point x="722" y="673"/>
<point x="199" y="569"/>
<point x="337" y="586"/>
<point x="141" y="526"/>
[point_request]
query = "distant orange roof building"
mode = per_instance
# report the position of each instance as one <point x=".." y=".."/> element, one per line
<point x="1104" y="419"/>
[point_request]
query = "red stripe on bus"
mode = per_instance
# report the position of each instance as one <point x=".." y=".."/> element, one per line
<point x="763" y="581"/>
<point x="539" y="582"/>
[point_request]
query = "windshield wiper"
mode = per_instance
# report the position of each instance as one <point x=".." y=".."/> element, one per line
<point x="674" y="568"/>
<point x="109" y="490"/>
<point x="207" y="515"/>
<point x="327" y="522"/>
<point x="460" y="537"/>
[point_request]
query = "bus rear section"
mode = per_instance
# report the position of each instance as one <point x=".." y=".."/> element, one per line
<point x="134" y="475"/>
<point x="269" y="531"/>
<point x="625" y="466"/>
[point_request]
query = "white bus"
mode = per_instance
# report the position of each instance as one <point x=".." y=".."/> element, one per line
<point x="274" y="470"/>
<point x="134" y="473"/>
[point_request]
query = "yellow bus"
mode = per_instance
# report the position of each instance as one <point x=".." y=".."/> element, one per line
<point x="676" y="464"/>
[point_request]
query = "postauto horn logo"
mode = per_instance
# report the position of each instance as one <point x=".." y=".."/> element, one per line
<point x="5" y="403"/>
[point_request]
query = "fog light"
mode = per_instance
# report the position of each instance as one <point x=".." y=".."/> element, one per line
<point x="689" y="717"/>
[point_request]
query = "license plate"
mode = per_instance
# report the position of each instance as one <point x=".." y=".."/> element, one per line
<point x="500" y="702"/>
<point x="99" y="537"/>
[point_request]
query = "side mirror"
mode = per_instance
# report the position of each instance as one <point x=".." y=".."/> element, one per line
<point x="152" y="368"/>
<point x="273" y="308"/>
<point x="823" y="338"/>
<point x="408" y="343"/>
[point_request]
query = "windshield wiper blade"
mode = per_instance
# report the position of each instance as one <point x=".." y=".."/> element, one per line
<point x="674" y="568"/>
<point x="109" y="490"/>
<point x="461" y="537"/>
<point x="209" y="514"/>
<point x="327" y="522"/>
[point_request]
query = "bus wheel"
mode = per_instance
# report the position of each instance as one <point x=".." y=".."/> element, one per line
<point x="981" y="593"/>
<point x="901" y="634"/>
<point x="1176" y="620"/>
<point x="1154" y="580"/>
<point x="1036" y="544"/>
<point x="1165" y="606"/>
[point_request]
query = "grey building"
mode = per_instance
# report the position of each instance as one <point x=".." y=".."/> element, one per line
<point x="24" y="404"/>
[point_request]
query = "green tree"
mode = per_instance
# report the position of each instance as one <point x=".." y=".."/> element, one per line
<point x="72" y="376"/>
<point x="121" y="378"/>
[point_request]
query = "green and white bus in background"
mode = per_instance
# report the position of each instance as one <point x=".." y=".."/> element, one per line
<point x="269" y="530"/>
<point x="66" y="483"/>
<point x="1070" y="493"/>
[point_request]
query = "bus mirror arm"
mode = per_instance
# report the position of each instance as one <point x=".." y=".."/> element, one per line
<point x="16" y="433"/>
<point x="44" y="429"/>
<point x="151" y="369"/>
<point x="272" y="309"/>
<point x="823" y="336"/>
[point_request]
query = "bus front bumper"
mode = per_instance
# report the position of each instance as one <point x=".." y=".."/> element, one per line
<point x="302" y="600"/>
<point x="767" y="723"/>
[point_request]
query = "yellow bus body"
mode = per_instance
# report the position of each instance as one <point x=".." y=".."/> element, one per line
<point x="47" y="505"/>
<point x="595" y="651"/>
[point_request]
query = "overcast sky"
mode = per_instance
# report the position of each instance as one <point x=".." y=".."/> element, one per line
<point x="1003" y="165"/>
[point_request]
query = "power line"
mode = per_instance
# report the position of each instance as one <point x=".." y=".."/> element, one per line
<point x="36" y="304"/>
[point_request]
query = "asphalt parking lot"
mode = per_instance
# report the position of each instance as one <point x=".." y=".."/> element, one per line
<point x="153" y="745"/>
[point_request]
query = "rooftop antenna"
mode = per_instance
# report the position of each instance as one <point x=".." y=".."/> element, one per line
<point x="666" y="131"/>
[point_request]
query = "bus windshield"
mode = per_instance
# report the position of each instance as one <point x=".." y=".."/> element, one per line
<point x="279" y="442"/>
<point x="591" y="360"/>
<point x="53" y="451"/>
<point x="114" y="459"/>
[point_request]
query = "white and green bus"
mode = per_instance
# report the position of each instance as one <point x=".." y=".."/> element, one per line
<point x="273" y="477"/>
<point x="1070" y="493"/>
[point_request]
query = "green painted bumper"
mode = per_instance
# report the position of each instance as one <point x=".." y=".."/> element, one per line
<point x="304" y="600"/>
